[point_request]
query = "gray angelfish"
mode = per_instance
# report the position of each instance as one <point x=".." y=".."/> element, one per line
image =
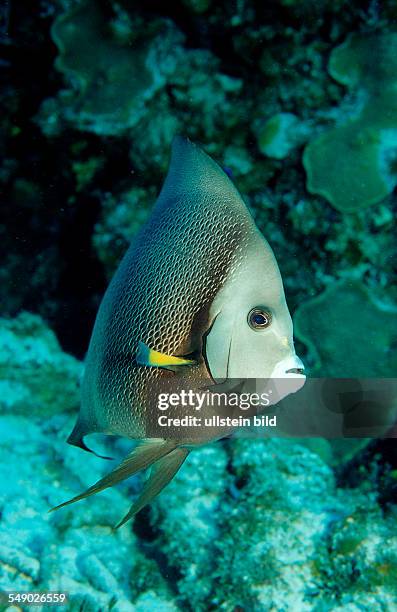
<point x="199" y="296"/>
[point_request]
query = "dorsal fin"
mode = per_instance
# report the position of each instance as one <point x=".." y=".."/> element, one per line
<point x="191" y="171"/>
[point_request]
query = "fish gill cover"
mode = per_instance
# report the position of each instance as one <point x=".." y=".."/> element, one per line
<point x="296" y="100"/>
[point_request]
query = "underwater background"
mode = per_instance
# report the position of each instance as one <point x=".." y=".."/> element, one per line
<point x="297" y="100"/>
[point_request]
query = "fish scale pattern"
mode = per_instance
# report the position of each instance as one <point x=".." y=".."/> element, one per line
<point x="169" y="275"/>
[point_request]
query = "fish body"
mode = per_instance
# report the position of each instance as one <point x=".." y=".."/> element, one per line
<point x="198" y="298"/>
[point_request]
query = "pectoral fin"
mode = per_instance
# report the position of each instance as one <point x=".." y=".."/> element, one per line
<point x="146" y="356"/>
<point x="76" y="438"/>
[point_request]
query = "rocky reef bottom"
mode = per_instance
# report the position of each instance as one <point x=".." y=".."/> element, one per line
<point x="245" y="525"/>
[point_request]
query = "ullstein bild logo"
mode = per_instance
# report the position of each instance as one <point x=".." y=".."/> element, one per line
<point x="323" y="407"/>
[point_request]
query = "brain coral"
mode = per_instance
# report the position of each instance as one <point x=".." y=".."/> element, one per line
<point x="351" y="164"/>
<point x="350" y="334"/>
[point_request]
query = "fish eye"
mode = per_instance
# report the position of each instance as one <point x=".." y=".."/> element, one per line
<point x="258" y="318"/>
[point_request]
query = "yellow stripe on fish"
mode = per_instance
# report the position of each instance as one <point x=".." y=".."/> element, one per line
<point x="146" y="356"/>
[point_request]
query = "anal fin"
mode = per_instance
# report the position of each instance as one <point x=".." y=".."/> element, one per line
<point x="162" y="472"/>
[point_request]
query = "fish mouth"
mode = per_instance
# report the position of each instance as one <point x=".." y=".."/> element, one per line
<point x="290" y="367"/>
<point x="287" y="377"/>
<point x="296" y="371"/>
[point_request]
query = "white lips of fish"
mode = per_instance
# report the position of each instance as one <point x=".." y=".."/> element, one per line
<point x="287" y="377"/>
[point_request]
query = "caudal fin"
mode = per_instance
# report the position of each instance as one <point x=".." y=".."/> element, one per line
<point x="162" y="472"/>
<point x="140" y="458"/>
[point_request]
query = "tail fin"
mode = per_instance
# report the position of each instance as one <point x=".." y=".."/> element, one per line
<point x="140" y="458"/>
<point x="162" y="473"/>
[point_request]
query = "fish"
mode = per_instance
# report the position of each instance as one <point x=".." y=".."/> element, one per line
<point x="198" y="300"/>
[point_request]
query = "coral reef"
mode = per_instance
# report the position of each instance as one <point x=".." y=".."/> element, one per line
<point x="232" y="80"/>
<point x="121" y="219"/>
<point x="218" y="532"/>
<point x="286" y="511"/>
<point x="339" y="329"/>
<point x="255" y="570"/>
<point x="280" y="134"/>
<point x="113" y="67"/>
<point x="75" y="551"/>
<point x="191" y="509"/>
<point x="36" y="376"/>
<point x="348" y="315"/>
<point x="352" y="165"/>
